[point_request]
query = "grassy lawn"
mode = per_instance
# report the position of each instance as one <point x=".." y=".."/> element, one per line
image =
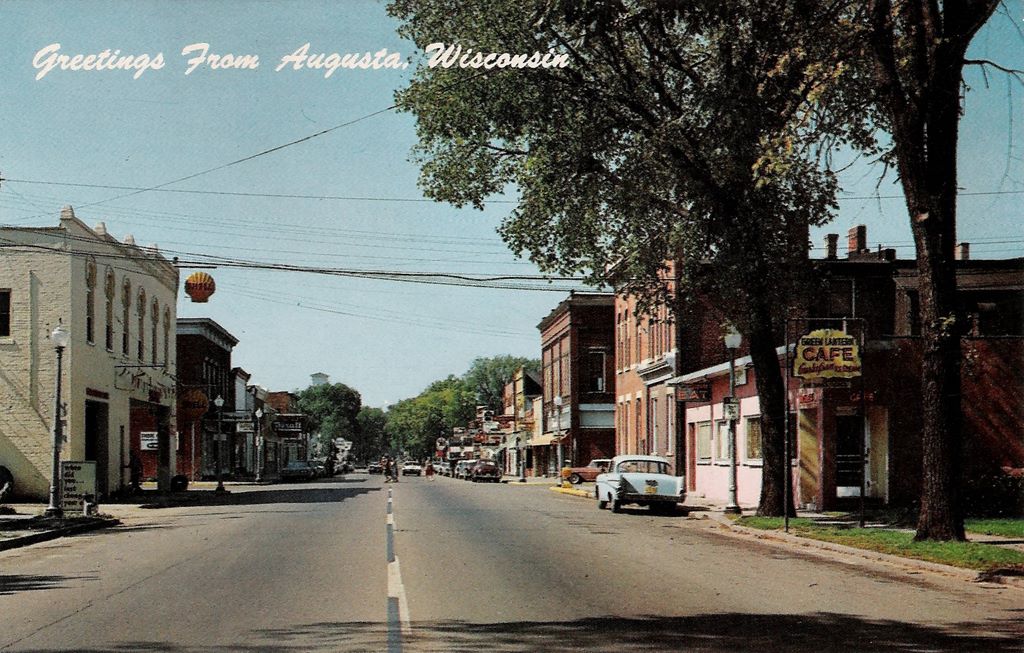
<point x="982" y="557"/>
<point x="1003" y="527"/>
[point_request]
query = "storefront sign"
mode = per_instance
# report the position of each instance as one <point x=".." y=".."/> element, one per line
<point x="697" y="392"/>
<point x="827" y="353"/>
<point x="290" y="426"/>
<point x="78" y="480"/>
<point x="149" y="441"/>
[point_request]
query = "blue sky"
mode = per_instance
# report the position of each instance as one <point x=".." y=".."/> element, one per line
<point x="386" y="339"/>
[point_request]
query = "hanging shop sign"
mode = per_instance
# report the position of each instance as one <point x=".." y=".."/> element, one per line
<point x="827" y="354"/>
<point x="199" y="286"/>
<point x="192" y="404"/>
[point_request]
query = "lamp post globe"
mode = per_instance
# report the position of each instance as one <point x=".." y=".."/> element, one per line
<point x="59" y="336"/>
<point x="219" y="403"/>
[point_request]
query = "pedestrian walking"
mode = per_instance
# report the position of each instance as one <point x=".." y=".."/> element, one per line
<point x="429" y="471"/>
<point x="387" y="465"/>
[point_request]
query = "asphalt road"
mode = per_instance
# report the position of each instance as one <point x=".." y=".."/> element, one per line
<point x="354" y="564"/>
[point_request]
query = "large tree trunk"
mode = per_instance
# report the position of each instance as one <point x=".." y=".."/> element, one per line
<point x="771" y="390"/>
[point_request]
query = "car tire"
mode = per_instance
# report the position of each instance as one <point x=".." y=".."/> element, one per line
<point x="575" y="478"/>
<point x="616" y="505"/>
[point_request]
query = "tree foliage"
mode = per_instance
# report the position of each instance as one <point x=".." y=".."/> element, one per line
<point x="685" y="130"/>
<point x="413" y="425"/>
<point x="331" y="411"/>
<point x="488" y="377"/>
<point x="371" y="440"/>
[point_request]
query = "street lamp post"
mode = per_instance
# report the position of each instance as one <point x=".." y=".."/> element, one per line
<point x="733" y="340"/>
<point x="59" y="336"/>
<point x="558" y="434"/>
<point x="219" y="403"/>
<point x="259" y="446"/>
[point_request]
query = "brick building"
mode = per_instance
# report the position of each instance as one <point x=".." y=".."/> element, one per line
<point x="577" y="359"/>
<point x="117" y="301"/>
<point x="204" y="365"/>
<point x="871" y="423"/>
<point x="645" y="359"/>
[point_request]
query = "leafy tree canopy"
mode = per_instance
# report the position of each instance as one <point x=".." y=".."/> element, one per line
<point x="488" y="377"/>
<point x="331" y="410"/>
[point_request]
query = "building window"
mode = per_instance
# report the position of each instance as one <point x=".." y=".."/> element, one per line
<point x="156" y="323"/>
<point x="90" y="302"/>
<point x="595" y="371"/>
<point x="722" y="448"/>
<point x="126" y="303"/>
<point x="639" y="437"/>
<point x="914" y="312"/>
<point x="108" y="312"/>
<point x="753" y="438"/>
<point x="140" y="352"/>
<point x="5" y="313"/>
<point x="702" y="434"/>
<point x="167" y="337"/>
<point x="653" y="419"/>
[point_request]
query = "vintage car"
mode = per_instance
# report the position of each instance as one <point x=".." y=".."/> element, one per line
<point x="462" y="468"/>
<point x="577" y="475"/>
<point x="412" y="467"/>
<point x="485" y="470"/>
<point x="643" y="480"/>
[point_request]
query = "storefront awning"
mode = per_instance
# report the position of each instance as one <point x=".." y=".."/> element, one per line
<point x="544" y="440"/>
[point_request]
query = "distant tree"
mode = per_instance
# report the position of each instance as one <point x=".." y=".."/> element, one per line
<point x="487" y="377"/>
<point x="413" y="425"/>
<point x="331" y="410"/>
<point x="371" y="439"/>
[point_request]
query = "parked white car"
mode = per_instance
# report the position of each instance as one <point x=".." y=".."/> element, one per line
<point x="462" y="468"/>
<point x="643" y="480"/>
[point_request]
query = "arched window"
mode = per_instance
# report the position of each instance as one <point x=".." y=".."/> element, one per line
<point x="167" y="336"/>
<point x="126" y="304"/>
<point x="141" y="307"/>
<point x="108" y="291"/>
<point x="156" y="322"/>
<point x="90" y="301"/>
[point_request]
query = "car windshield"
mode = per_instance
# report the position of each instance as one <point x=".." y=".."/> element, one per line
<point x="599" y="464"/>
<point x="643" y="467"/>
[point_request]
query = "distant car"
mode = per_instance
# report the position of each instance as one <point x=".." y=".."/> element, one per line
<point x="485" y="470"/>
<point x="643" y="480"/>
<point x="462" y="468"/>
<point x="577" y="475"/>
<point x="375" y="468"/>
<point x="412" y="467"/>
<point x="298" y="470"/>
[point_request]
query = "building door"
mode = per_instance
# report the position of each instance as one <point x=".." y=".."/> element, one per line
<point x="849" y="455"/>
<point x="97" y="443"/>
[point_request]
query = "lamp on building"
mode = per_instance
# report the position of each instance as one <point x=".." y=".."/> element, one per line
<point x="219" y="403"/>
<point x="558" y="433"/>
<point x="259" y="445"/>
<point x="733" y="340"/>
<point x="59" y="336"/>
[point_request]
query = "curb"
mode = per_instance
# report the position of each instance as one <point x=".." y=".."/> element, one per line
<point x="573" y="491"/>
<point x="45" y="536"/>
<point x="776" y="538"/>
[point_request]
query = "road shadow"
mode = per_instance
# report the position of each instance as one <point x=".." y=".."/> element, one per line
<point x="14" y="583"/>
<point x="266" y="495"/>
<point x="820" y="632"/>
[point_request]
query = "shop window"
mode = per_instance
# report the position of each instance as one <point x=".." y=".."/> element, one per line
<point x="722" y="441"/>
<point x="702" y="435"/>
<point x="752" y="438"/>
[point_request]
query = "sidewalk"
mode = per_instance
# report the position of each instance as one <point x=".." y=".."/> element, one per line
<point x="29" y="526"/>
<point x="715" y="512"/>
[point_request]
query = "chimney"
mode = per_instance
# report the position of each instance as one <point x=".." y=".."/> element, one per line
<point x="100" y="229"/>
<point x="858" y="239"/>
<point x="963" y="252"/>
<point x="66" y="212"/>
<point x="831" y="246"/>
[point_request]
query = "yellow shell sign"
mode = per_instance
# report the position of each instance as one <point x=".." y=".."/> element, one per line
<point x="827" y="354"/>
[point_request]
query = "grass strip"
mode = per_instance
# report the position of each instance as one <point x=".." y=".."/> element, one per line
<point x="969" y="555"/>
<point x="1013" y="528"/>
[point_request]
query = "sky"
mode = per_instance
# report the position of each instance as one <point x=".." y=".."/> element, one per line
<point x="69" y="130"/>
